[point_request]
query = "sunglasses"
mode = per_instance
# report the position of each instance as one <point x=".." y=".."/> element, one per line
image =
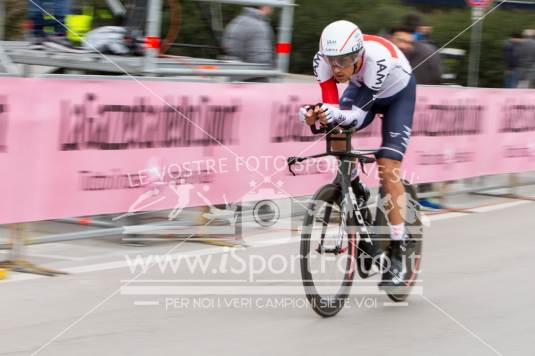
<point x="343" y="61"/>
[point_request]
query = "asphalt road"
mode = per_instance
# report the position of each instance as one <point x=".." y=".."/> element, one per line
<point x="476" y="297"/>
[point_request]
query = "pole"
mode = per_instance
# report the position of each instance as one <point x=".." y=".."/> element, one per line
<point x="217" y="20"/>
<point x="475" y="47"/>
<point x="285" y="38"/>
<point x="2" y="19"/>
<point x="116" y="7"/>
<point x="154" y="19"/>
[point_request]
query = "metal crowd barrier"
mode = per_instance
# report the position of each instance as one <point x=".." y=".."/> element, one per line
<point x="476" y="186"/>
<point x="191" y="221"/>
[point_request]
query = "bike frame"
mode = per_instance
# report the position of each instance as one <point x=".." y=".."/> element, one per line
<point x="349" y="203"/>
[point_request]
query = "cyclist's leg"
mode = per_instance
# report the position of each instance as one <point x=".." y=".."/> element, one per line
<point x="396" y="131"/>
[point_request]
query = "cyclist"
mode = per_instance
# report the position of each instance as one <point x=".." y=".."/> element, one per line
<point x="380" y="82"/>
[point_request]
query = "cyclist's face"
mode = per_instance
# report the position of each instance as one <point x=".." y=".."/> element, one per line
<point x="343" y="74"/>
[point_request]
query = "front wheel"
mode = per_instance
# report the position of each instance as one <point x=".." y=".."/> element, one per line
<point x="328" y="251"/>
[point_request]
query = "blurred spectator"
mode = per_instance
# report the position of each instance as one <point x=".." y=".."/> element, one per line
<point x="525" y="52"/>
<point x="511" y="60"/>
<point x="423" y="57"/>
<point x="414" y="40"/>
<point x="411" y="22"/>
<point x="423" y="34"/>
<point x="529" y="33"/>
<point x="113" y="40"/>
<point x="137" y="16"/>
<point x="249" y="36"/>
<point x="421" y="31"/>
<point x="39" y="12"/>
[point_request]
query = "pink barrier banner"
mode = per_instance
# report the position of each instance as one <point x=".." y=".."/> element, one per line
<point x="75" y="148"/>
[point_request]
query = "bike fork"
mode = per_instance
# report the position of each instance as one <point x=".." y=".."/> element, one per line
<point x="337" y="249"/>
<point x="325" y="224"/>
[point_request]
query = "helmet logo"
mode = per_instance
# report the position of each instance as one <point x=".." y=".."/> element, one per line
<point x="356" y="48"/>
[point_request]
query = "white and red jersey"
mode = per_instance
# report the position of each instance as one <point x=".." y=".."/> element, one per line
<point x="384" y="70"/>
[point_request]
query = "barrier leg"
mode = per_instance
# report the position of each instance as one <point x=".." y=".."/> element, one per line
<point x="17" y="233"/>
<point x="201" y="221"/>
<point x="133" y="239"/>
<point x="443" y="189"/>
<point x="17" y="262"/>
<point x="514" y="181"/>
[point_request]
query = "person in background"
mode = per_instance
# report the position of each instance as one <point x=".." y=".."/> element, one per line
<point x="423" y="34"/>
<point x="412" y="21"/>
<point x="249" y="36"/>
<point x="529" y="34"/>
<point x="422" y="56"/>
<point x="421" y="31"/>
<point x="427" y="68"/>
<point x="511" y="60"/>
<point x="423" y="48"/>
<point x="137" y="17"/>
<point x="525" y="53"/>
<point x="38" y="13"/>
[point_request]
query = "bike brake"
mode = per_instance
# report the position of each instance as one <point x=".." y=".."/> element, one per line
<point x="293" y="160"/>
<point x="362" y="166"/>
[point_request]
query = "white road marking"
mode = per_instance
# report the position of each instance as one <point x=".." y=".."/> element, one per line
<point x="146" y="303"/>
<point x="185" y="281"/>
<point x="483" y="209"/>
<point x="392" y="304"/>
<point x="241" y="290"/>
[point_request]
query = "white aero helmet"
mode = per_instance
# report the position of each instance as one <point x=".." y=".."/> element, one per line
<point x="341" y="43"/>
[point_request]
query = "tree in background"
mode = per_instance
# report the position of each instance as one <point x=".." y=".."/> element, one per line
<point x="377" y="16"/>
<point x="15" y="16"/>
<point x="447" y="22"/>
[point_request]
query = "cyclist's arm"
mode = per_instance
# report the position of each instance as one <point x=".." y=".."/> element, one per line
<point x="356" y="109"/>
<point x="325" y="78"/>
